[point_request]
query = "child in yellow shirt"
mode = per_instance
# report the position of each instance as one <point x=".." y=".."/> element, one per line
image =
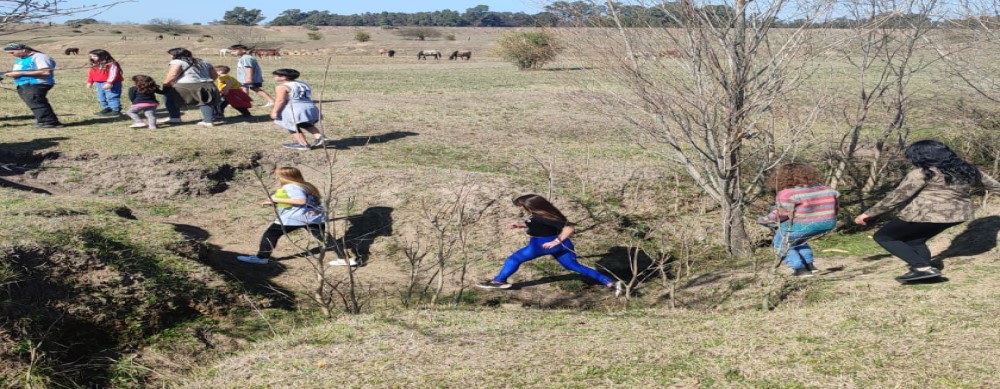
<point x="231" y="93"/>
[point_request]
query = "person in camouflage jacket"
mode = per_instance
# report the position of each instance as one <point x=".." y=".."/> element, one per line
<point x="937" y="195"/>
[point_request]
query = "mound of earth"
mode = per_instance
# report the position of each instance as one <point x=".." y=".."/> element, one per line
<point x="84" y="284"/>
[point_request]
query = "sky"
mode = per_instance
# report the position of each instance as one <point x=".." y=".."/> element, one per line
<point x="140" y="11"/>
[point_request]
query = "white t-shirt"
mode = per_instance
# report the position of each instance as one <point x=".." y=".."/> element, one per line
<point x="200" y="72"/>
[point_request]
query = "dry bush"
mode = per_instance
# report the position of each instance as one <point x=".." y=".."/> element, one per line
<point x="528" y="50"/>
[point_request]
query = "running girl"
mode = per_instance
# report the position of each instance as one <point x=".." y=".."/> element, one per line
<point x="549" y="231"/>
<point x="107" y="76"/>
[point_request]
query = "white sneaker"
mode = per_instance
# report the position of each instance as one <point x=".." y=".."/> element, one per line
<point x="137" y="125"/>
<point x="206" y="124"/>
<point x="251" y="259"/>
<point x="169" y="120"/>
<point x="619" y="288"/>
<point x="342" y="262"/>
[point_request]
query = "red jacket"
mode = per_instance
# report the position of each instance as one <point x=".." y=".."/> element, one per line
<point x="110" y="72"/>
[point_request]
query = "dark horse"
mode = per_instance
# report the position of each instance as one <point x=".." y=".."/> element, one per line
<point x="391" y="53"/>
<point x="423" y="54"/>
<point x="72" y="51"/>
<point x="466" y="55"/>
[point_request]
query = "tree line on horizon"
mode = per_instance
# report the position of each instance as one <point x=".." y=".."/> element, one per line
<point x="556" y="14"/>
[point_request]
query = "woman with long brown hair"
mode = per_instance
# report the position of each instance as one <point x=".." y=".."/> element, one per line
<point x="299" y="206"/>
<point x="549" y="231"/>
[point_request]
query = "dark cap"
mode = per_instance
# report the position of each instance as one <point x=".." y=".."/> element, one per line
<point x="17" y="46"/>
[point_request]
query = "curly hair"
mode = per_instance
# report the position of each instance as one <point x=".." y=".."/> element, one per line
<point x="144" y="83"/>
<point x="791" y="175"/>
<point x="927" y="154"/>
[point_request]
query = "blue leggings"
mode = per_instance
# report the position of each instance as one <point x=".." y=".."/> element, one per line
<point x="562" y="253"/>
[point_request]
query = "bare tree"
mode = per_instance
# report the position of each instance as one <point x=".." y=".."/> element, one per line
<point x="885" y="55"/>
<point x="19" y="12"/>
<point x="708" y="91"/>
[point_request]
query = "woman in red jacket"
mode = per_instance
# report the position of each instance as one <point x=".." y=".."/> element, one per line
<point x="107" y="75"/>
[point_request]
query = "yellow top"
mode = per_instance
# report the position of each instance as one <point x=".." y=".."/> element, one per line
<point x="225" y="79"/>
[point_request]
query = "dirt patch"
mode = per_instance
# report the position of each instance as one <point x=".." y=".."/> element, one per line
<point x="70" y="312"/>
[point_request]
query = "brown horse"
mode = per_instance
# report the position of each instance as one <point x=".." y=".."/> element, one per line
<point x="72" y="51"/>
<point x="466" y="55"/>
<point x="266" y="53"/>
<point x="382" y="52"/>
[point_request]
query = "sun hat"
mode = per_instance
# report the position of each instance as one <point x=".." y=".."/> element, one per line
<point x="17" y="46"/>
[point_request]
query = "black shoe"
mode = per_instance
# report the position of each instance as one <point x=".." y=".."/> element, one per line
<point x="103" y="112"/>
<point x="802" y="273"/>
<point x="110" y="113"/>
<point x="915" y="275"/>
<point x="937" y="263"/>
<point x="493" y="285"/>
<point x="811" y="268"/>
<point x="49" y="125"/>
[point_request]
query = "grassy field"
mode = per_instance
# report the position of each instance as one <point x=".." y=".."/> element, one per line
<point x="408" y="137"/>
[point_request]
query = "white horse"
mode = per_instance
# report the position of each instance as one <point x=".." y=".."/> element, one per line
<point x="223" y="52"/>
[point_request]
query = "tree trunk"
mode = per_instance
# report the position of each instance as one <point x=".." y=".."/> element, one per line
<point x="735" y="230"/>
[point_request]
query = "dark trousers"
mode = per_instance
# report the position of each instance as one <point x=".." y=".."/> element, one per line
<point x="270" y="238"/>
<point x="36" y="97"/>
<point x="222" y="109"/>
<point x="908" y="240"/>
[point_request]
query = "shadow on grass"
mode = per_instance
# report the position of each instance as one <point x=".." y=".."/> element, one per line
<point x="876" y="257"/>
<point x="568" y="69"/>
<point x="928" y="281"/>
<point x="551" y="279"/>
<point x="628" y="264"/>
<point x="364" y="228"/>
<point x="20" y="157"/>
<point x="359" y="141"/>
<point x="979" y="237"/>
<point x="255" y="278"/>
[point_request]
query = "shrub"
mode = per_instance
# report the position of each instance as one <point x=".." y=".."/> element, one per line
<point x="528" y="50"/>
<point x="315" y="36"/>
<point x="362" y="36"/>
<point x="116" y="32"/>
<point x="310" y="27"/>
<point x="449" y="37"/>
<point x="419" y="33"/>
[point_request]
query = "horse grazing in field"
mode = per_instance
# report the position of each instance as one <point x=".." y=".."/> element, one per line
<point x="159" y="37"/>
<point x="466" y="55"/>
<point x="223" y="52"/>
<point x="391" y="53"/>
<point x="382" y="52"/>
<point x="266" y="53"/>
<point x="423" y="54"/>
<point x="72" y="51"/>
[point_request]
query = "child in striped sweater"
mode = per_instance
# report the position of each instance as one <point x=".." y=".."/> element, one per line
<point x="804" y="210"/>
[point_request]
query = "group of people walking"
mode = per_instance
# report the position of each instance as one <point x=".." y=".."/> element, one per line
<point x="189" y="81"/>
<point x="935" y="195"/>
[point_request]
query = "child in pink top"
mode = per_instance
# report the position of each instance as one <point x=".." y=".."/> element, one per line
<point x="805" y="209"/>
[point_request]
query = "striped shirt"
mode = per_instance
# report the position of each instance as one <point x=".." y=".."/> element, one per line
<point x="811" y="208"/>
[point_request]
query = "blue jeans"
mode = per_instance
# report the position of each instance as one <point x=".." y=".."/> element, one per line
<point x="111" y="98"/>
<point x="562" y="253"/>
<point x="792" y="246"/>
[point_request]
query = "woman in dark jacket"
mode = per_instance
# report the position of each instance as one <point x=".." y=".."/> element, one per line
<point x="937" y="194"/>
